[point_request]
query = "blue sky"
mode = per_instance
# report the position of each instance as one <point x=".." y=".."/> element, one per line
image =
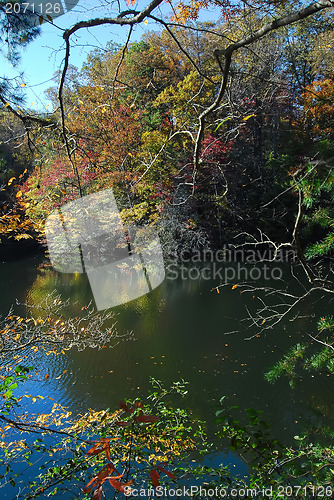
<point x="44" y="56"/>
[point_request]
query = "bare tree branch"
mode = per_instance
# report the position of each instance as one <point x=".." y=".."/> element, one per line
<point x="244" y="42"/>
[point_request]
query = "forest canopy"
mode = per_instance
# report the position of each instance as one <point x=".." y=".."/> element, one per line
<point x="137" y="118"/>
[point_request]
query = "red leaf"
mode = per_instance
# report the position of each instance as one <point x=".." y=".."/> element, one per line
<point x="147" y="418"/>
<point x="88" y="488"/>
<point x="116" y="484"/>
<point x="95" y="450"/>
<point x="154" y="477"/>
<point x="107" y="450"/>
<point x="125" y="407"/>
<point x="99" y="447"/>
<point x="101" y="477"/>
<point x="123" y="424"/>
<point x="169" y="474"/>
<point x="97" y="493"/>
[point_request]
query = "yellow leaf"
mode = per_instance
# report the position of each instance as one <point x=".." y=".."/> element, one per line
<point x="145" y="22"/>
<point x="23" y="85"/>
<point x="248" y="117"/>
<point x="19" y="194"/>
<point x="7" y="104"/>
<point x="34" y="400"/>
<point x="11" y="181"/>
<point x="234" y="286"/>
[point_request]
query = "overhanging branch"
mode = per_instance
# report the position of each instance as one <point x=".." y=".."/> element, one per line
<point x="243" y="42"/>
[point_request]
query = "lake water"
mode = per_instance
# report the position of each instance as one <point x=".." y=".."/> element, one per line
<point x="181" y="330"/>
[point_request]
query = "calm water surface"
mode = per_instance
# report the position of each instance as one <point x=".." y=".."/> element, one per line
<point x="181" y="331"/>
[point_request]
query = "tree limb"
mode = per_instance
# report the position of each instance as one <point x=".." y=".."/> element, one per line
<point x="243" y="42"/>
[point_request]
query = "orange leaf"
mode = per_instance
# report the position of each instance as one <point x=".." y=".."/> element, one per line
<point x="88" y="488"/>
<point x="154" y="477"/>
<point x="107" y="450"/>
<point x="116" y="484"/>
<point x="101" y="477"/>
<point x="99" y="447"/>
<point x="169" y="474"/>
<point x="95" y="450"/>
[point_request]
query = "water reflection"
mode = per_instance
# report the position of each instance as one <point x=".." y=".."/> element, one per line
<point x="181" y="331"/>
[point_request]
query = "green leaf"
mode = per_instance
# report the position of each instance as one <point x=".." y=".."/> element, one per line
<point x="222" y="122"/>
